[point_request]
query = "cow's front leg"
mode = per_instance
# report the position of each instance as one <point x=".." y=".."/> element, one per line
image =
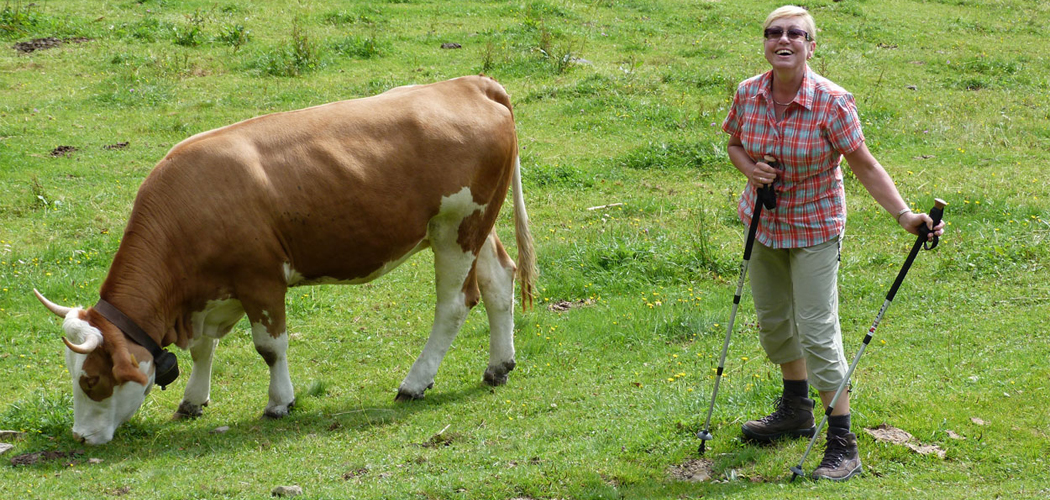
<point x="495" y="271"/>
<point x="198" y="388"/>
<point x="274" y="350"/>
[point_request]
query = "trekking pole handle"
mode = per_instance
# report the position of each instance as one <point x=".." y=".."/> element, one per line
<point x="766" y="194"/>
<point x="936" y="213"/>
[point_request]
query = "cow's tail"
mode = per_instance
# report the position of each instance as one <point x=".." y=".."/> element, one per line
<point x="526" y="250"/>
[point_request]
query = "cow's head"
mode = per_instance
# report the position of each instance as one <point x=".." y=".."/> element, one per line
<point x="111" y="376"/>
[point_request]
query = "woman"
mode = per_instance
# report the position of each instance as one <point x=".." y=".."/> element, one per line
<point x="807" y="124"/>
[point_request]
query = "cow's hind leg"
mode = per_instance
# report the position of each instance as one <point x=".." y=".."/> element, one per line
<point x="456" y="295"/>
<point x="495" y="271"/>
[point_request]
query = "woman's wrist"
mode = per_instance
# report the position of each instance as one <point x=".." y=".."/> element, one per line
<point x="903" y="211"/>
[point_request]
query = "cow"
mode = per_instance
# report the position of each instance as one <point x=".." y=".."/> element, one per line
<point x="342" y="192"/>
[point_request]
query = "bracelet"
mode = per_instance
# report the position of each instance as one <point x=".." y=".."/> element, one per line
<point x="905" y="210"/>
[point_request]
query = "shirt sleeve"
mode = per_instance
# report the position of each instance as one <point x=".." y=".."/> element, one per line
<point x="843" y="125"/>
<point x="731" y="125"/>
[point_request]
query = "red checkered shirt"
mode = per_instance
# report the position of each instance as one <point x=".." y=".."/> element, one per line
<point x="818" y="127"/>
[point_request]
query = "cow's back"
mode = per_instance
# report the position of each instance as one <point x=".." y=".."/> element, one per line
<point x="336" y="190"/>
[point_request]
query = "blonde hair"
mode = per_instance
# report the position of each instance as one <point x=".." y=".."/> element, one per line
<point x="794" y="11"/>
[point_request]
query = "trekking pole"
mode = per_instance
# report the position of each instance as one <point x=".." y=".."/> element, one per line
<point x="936" y="213"/>
<point x="764" y="195"/>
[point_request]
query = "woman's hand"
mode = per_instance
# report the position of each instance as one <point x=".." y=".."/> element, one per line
<point x="763" y="174"/>
<point x="911" y="222"/>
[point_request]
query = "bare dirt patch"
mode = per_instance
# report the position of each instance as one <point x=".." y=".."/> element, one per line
<point x="693" y="470"/>
<point x="62" y="151"/>
<point x="442" y="439"/>
<point x="889" y="434"/>
<point x="119" y="492"/>
<point x="45" y="43"/>
<point x="44" y="456"/>
<point x="565" y="305"/>
<point x="358" y="472"/>
<point x="119" y="145"/>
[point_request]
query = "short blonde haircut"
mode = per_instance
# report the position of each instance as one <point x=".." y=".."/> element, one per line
<point x="794" y="11"/>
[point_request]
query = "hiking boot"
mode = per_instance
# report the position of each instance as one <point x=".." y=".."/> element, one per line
<point x="792" y="418"/>
<point x="841" y="458"/>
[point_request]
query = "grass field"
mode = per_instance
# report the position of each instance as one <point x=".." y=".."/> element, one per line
<point x="616" y="103"/>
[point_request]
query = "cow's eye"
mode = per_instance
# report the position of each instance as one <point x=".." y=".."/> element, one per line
<point x="96" y="387"/>
<point x="88" y="383"/>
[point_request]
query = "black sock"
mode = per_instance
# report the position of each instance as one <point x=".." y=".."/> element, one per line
<point x="796" y="388"/>
<point x="838" y="424"/>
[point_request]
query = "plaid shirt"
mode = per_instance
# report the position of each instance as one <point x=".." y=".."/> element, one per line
<point x="817" y="129"/>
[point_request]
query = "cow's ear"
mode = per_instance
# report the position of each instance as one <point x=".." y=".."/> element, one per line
<point x="125" y="370"/>
<point x="128" y="373"/>
<point x="125" y="367"/>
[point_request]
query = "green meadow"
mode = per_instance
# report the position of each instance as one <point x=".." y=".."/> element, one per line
<point x="632" y="203"/>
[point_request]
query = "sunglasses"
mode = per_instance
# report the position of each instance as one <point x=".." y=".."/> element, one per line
<point x="794" y="34"/>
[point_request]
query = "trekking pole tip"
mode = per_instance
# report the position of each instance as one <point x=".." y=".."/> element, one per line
<point x="704" y="436"/>
<point x="796" y="471"/>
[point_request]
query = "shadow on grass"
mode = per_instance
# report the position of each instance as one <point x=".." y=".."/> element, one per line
<point x="139" y="440"/>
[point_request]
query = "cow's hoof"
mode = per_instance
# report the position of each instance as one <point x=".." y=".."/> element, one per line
<point x="407" y="396"/>
<point x="188" y="410"/>
<point x="497" y="375"/>
<point x="404" y="394"/>
<point x="276" y="412"/>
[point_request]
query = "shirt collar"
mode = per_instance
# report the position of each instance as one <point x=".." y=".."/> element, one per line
<point x="804" y="97"/>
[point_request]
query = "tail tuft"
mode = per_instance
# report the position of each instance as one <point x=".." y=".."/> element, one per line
<point x="526" y="250"/>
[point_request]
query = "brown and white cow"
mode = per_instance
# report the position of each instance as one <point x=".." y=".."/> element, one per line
<point x="337" y="193"/>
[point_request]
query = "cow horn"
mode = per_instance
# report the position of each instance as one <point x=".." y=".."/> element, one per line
<point x="92" y="342"/>
<point x="60" y="311"/>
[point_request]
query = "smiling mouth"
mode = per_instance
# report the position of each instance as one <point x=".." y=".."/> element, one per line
<point x="784" y="52"/>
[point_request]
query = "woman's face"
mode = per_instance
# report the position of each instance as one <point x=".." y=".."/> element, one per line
<point x="791" y="49"/>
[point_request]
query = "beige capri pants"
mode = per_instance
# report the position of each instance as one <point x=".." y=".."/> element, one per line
<point x="795" y="291"/>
